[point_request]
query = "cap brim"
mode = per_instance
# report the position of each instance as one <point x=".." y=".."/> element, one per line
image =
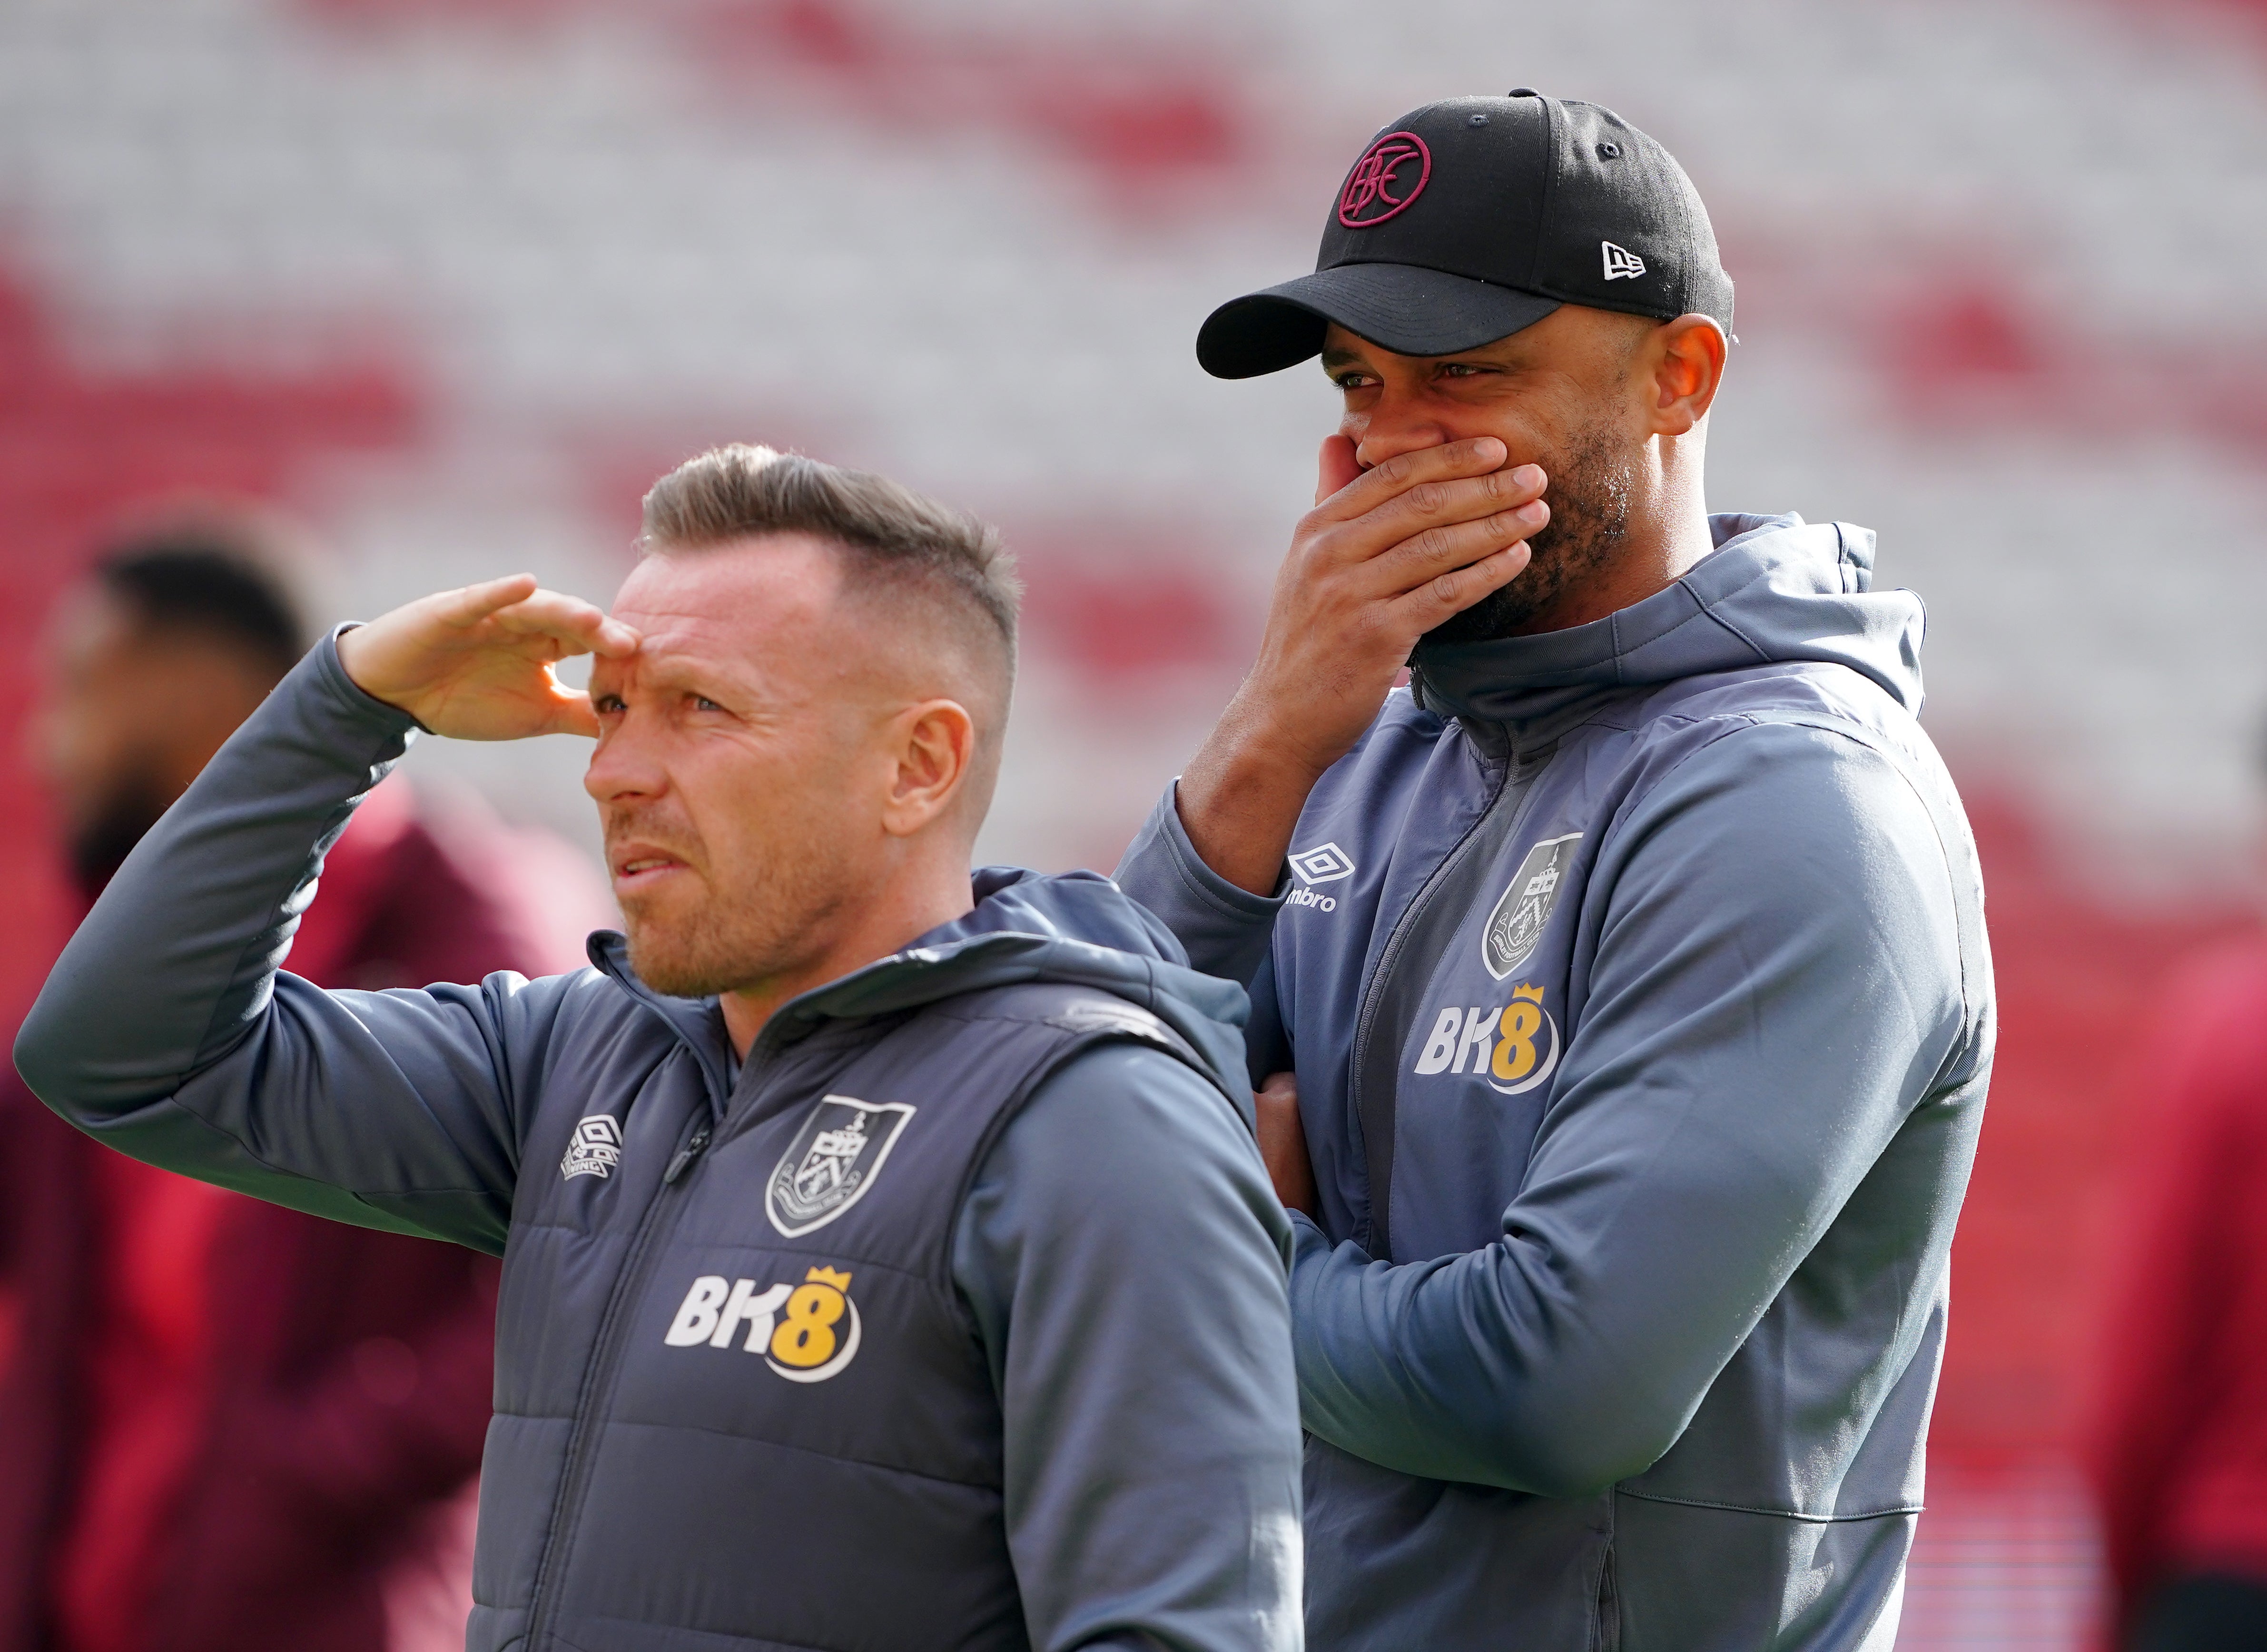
<point x="1406" y="308"/>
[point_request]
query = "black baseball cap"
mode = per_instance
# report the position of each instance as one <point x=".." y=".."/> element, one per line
<point x="1469" y="219"/>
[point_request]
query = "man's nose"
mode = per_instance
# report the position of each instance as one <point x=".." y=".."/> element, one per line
<point x="625" y="766"/>
<point x="1393" y="425"/>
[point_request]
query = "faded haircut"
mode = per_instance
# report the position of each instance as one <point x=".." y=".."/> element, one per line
<point x="889" y="533"/>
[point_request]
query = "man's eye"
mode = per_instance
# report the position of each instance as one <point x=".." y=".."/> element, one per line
<point x="1355" y="381"/>
<point x="1461" y="370"/>
<point x="606" y="703"/>
<point x="702" y="702"/>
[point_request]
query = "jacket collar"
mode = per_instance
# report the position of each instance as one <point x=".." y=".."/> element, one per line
<point x="1073" y="927"/>
<point x="1774" y="589"/>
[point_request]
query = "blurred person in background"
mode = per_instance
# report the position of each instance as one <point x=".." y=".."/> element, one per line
<point x="2176" y="1433"/>
<point x="224" y="1425"/>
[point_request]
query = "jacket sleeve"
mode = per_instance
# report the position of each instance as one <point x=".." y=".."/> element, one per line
<point x="167" y="1031"/>
<point x="1124" y="1258"/>
<point x="1776" y="984"/>
<point x="1226" y="930"/>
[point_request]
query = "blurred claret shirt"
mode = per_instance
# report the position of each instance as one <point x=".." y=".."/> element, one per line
<point x="2176" y="1432"/>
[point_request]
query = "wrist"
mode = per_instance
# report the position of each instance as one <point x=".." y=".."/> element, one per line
<point x="1240" y="800"/>
<point x="340" y="670"/>
<point x="352" y="643"/>
<point x="1240" y="770"/>
<point x="1251" y="745"/>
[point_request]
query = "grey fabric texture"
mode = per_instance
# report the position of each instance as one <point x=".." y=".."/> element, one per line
<point x="1105" y="1301"/>
<point x="1636" y="983"/>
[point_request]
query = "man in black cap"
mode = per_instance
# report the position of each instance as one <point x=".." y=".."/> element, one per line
<point x="1620" y="990"/>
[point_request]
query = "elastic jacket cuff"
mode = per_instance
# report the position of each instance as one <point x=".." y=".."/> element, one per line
<point x="358" y="710"/>
<point x="1226" y="929"/>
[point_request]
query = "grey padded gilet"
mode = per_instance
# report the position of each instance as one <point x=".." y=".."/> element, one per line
<point x="891" y="1466"/>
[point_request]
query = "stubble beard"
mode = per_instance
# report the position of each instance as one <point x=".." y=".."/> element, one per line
<point x="1590" y="493"/>
<point x="729" y="938"/>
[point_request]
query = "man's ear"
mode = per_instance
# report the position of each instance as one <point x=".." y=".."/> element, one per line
<point x="933" y="744"/>
<point x="1684" y="361"/>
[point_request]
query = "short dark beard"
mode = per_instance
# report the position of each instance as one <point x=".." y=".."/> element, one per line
<point x="99" y="845"/>
<point x="1591" y="487"/>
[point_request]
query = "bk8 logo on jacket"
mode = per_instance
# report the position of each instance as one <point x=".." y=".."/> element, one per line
<point x="1510" y="1039"/>
<point x="806" y="1331"/>
<point x="1512" y="1046"/>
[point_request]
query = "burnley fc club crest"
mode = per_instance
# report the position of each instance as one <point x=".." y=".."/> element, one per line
<point x="832" y="1161"/>
<point x="1516" y="924"/>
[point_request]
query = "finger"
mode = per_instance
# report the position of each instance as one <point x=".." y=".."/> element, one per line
<point x="1458" y="589"/>
<point x="572" y="712"/>
<point x="473" y="604"/>
<point x="1475" y="456"/>
<point x="1335" y="466"/>
<point x="1436" y="504"/>
<point x="1431" y="509"/>
<point x="583" y="628"/>
<point x="1283" y="1141"/>
<point x="1276" y="1117"/>
<point x="1448" y="546"/>
<point x="1446" y="525"/>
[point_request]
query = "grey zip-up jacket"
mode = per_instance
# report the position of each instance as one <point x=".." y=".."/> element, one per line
<point x="1635" y="980"/>
<point x="1072" y="1371"/>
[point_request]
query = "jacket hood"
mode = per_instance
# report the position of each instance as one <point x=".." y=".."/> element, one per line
<point x="1073" y="928"/>
<point x="1775" y="588"/>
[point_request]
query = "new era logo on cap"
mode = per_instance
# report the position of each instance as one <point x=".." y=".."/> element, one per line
<point x="1621" y="263"/>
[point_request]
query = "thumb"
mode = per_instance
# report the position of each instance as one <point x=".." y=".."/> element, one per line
<point x="1335" y="466"/>
<point x="572" y="713"/>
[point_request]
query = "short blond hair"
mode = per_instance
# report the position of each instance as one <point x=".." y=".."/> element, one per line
<point x="891" y="532"/>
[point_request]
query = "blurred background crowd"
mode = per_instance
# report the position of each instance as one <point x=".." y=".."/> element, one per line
<point x="439" y="286"/>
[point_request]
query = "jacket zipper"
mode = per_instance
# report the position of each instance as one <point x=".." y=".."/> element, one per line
<point x="573" y="1481"/>
<point x="1390" y="957"/>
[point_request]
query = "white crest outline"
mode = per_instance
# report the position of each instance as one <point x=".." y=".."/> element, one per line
<point x="870" y="1174"/>
<point x="1519" y="874"/>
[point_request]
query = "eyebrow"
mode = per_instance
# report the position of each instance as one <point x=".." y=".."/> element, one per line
<point x="1341" y="356"/>
<point x="667" y="669"/>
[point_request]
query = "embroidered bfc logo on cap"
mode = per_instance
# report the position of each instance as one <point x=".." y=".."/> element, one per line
<point x="1379" y="184"/>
